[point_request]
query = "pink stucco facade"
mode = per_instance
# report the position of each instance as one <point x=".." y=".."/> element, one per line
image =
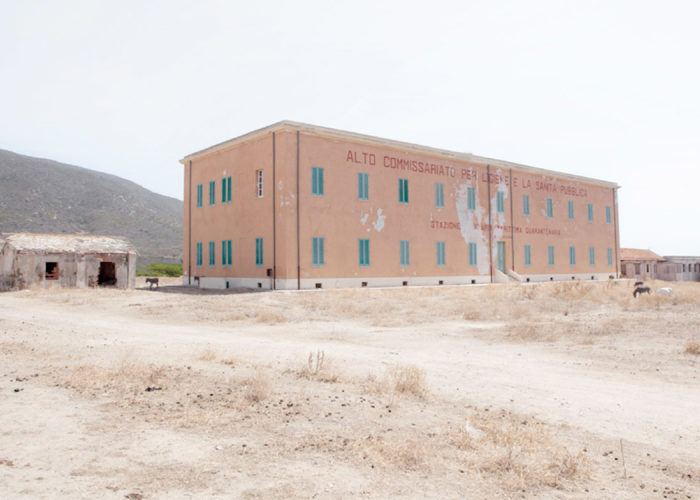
<point x="424" y="216"/>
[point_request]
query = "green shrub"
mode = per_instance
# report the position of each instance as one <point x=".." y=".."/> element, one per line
<point x="160" y="269"/>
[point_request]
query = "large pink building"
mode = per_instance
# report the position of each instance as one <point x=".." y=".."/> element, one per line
<point x="296" y="206"/>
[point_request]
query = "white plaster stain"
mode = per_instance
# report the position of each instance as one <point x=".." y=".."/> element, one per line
<point x="364" y="218"/>
<point x="500" y="217"/>
<point x="470" y="226"/>
<point x="379" y="223"/>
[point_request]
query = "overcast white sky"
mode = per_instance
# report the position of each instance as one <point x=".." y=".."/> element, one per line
<point x="606" y="89"/>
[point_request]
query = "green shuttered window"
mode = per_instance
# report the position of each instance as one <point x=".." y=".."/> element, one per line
<point x="571" y="209"/>
<point x="226" y="252"/>
<point x="199" y="196"/>
<point x="550" y="255"/>
<point x="526" y="204"/>
<point x="528" y="255"/>
<point x="364" y="252"/>
<point x="472" y="254"/>
<point x="317" y="257"/>
<point x="317" y="181"/>
<point x="608" y="216"/>
<point x="404" y="253"/>
<point x="439" y="195"/>
<point x="258" y="251"/>
<point x="500" y="202"/>
<point x="590" y="212"/>
<point x="362" y="186"/>
<point x="199" y="253"/>
<point x="403" y="190"/>
<point x="212" y="254"/>
<point x="440" y="251"/>
<point x="471" y="198"/>
<point x="572" y="256"/>
<point x="550" y="208"/>
<point x="610" y="259"/>
<point x="591" y="256"/>
<point x="212" y="192"/>
<point x="226" y="190"/>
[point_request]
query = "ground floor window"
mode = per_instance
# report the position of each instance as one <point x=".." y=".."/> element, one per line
<point x="364" y="252"/>
<point x="440" y="249"/>
<point x="405" y="253"/>
<point x="317" y="251"/>
<point x="51" y="271"/>
<point x="472" y="254"/>
<point x="258" y="251"/>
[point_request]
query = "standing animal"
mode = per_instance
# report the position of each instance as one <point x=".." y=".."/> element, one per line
<point x="152" y="281"/>
<point x="640" y="290"/>
<point x="664" y="291"/>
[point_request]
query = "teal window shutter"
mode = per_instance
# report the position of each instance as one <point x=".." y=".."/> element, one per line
<point x="550" y="255"/>
<point x="526" y="205"/>
<point x="199" y="196"/>
<point x="571" y="209"/>
<point x="610" y="257"/>
<point x="317" y="251"/>
<point x="591" y="256"/>
<point x="550" y="209"/>
<point x="403" y="190"/>
<point x="258" y="251"/>
<point x="607" y="215"/>
<point x="472" y="254"/>
<point x="199" y="253"/>
<point x="440" y="250"/>
<point x="572" y="256"/>
<point x="471" y="198"/>
<point x="590" y="212"/>
<point x="500" y="202"/>
<point x="404" y="253"/>
<point x="439" y="195"/>
<point x="364" y="252"/>
<point x="362" y="186"/>
<point x="528" y="255"/>
<point x="223" y="252"/>
<point x="212" y="192"/>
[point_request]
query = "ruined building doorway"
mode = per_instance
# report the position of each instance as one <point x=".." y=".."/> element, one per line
<point x="108" y="275"/>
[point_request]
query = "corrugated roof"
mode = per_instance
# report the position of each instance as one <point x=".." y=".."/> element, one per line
<point x="638" y="254"/>
<point x="67" y="243"/>
<point x="330" y="132"/>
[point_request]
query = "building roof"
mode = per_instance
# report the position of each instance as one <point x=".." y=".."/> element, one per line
<point x="638" y="254"/>
<point x="66" y="243"/>
<point x="287" y="125"/>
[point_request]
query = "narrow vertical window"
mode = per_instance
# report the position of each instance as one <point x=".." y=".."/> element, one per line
<point x="528" y="255"/>
<point x="199" y="253"/>
<point x="590" y="212"/>
<point x="471" y="198"/>
<point x="608" y="216"/>
<point x="223" y="252"/>
<point x="317" y="258"/>
<point x="440" y="250"/>
<point x="362" y="186"/>
<point x="439" y="195"/>
<point x="472" y="254"/>
<point x="228" y="252"/>
<point x="610" y="257"/>
<point x="212" y="192"/>
<point x="364" y="252"/>
<point x="258" y="251"/>
<point x="500" y="202"/>
<point x="199" y="196"/>
<point x="550" y="255"/>
<point x="228" y="189"/>
<point x="404" y="253"/>
<point x="591" y="256"/>
<point x="317" y="181"/>
<point x="550" y="209"/>
<point x="403" y="190"/>
<point x="223" y="190"/>
<point x="571" y="209"/>
<point x="212" y="255"/>
<point x="259" y="183"/>
<point x="572" y="256"/>
<point x="526" y="204"/>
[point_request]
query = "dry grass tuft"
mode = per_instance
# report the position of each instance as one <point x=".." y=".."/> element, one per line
<point x="692" y="348"/>
<point x="319" y="367"/>
<point x="409" y="379"/>
<point x="207" y="355"/>
<point x="256" y="388"/>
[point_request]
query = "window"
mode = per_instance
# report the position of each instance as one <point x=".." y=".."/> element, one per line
<point x="317" y="181"/>
<point x="364" y="252"/>
<point x="439" y="195"/>
<point x="591" y="256"/>
<point x="258" y="251"/>
<point x="440" y="250"/>
<point x="226" y="190"/>
<point x="226" y="252"/>
<point x="500" y="202"/>
<point x="405" y="253"/>
<point x="607" y="215"/>
<point x="403" y="190"/>
<point x="317" y="251"/>
<point x="259" y="183"/>
<point x="590" y="212"/>
<point x="528" y="255"/>
<point x="572" y="256"/>
<point x="471" y="198"/>
<point x="526" y="205"/>
<point x="550" y="255"/>
<point x="199" y="196"/>
<point x="212" y="256"/>
<point x="610" y="262"/>
<point x="550" y="209"/>
<point x="199" y="253"/>
<point x="362" y="186"/>
<point x="212" y="193"/>
<point x="51" y="271"/>
<point x="571" y="209"/>
<point x="472" y="254"/>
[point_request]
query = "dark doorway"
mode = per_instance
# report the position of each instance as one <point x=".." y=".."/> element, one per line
<point x="51" y="271"/>
<point x="107" y="276"/>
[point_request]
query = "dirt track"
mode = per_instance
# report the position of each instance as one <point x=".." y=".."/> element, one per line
<point x="555" y="375"/>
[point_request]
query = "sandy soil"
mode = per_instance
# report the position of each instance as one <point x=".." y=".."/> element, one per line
<point x="559" y="390"/>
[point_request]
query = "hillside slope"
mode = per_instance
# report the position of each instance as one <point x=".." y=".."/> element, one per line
<point x="45" y="196"/>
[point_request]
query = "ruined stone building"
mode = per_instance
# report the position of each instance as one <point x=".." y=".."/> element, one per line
<point x="65" y="260"/>
<point x="296" y="206"/>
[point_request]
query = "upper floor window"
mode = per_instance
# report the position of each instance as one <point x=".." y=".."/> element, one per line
<point x="590" y="212"/>
<point x="439" y="195"/>
<point x="571" y="209"/>
<point x="212" y="192"/>
<point x="526" y="204"/>
<point x="500" y="202"/>
<point x="608" y="215"/>
<point x="362" y="186"/>
<point x="226" y="190"/>
<point x="259" y="183"/>
<point x="550" y="209"/>
<point x="403" y="190"/>
<point x="471" y="198"/>
<point x="199" y="196"/>
<point x="317" y="181"/>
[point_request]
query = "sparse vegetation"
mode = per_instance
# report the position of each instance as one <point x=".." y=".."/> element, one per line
<point x="692" y="348"/>
<point x="160" y="269"/>
<point x="409" y="379"/>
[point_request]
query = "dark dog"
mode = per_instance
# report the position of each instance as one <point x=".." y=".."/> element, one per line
<point x="152" y="281"/>
<point x="640" y="290"/>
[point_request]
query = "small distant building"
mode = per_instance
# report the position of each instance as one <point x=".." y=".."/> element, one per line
<point x="65" y="260"/>
<point x="679" y="268"/>
<point x="637" y="263"/>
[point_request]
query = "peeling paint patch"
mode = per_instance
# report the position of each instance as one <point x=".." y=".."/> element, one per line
<point x="379" y="223"/>
<point x="363" y="219"/>
<point x="470" y="222"/>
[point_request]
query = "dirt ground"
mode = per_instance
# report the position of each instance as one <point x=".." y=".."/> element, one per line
<point x="556" y="390"/>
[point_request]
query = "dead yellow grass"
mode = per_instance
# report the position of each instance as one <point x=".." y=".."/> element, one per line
<point x="692" y="348"/>
<point x="409" y="379"/>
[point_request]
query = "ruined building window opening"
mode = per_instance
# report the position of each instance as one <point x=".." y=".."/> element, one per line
<point x="107" y="275"/>
<point x="637" y="268"/>
<point x="647" y="267"/>
<point x="51" y="271"/>
<point x="259" y="183"/>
